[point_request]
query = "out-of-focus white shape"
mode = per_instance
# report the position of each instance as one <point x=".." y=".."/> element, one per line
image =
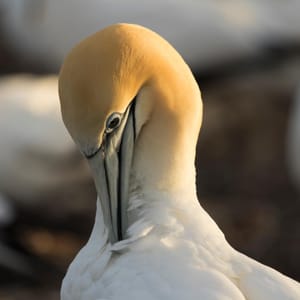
<point x="7" y="213"/>
<point x="34" y="142"/>
<point x="206" y="32"/>
<point x="293" y="141"/>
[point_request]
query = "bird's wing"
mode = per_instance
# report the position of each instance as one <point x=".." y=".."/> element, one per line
<point x="261" y="282"/>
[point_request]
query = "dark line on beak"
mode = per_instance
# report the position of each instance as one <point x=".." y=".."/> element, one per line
<point x="119" y="209"/>
<point x="89" y="156"/>
<point x="109" y="194"/>
<point x="134" y="120"/>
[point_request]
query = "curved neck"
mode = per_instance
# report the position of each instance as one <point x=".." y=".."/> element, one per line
<point x="165" y="149"/>
<point x="163" y="171"/>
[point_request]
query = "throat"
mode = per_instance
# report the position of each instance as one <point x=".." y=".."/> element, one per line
<point x="99" y="235"/>
<point x="162" y="201"/>
<point x="160" y="214"/>
<point x="153" y="209"/>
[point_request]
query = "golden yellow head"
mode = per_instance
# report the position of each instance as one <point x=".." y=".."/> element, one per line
<point x="103" y="73"/>
<point x="155" y="139"/>
<point x="90" y="84"/>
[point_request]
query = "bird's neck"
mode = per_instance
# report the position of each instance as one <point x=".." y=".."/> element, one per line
<point x="163" y="184"/>
<point x="165" y="147"/>
<point x="153" y="207"/>
<point x="163" y="172"/>
<point x="99" y="235"/>
<point x="150" y="211"/>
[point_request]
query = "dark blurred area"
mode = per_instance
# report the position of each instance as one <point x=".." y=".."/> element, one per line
<point x="246" y="171"/>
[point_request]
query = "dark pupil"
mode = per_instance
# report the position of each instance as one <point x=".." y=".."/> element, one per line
<point x="113" y="123"/>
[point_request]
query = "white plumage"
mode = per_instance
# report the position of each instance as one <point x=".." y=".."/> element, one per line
<point x="184" y="260"/>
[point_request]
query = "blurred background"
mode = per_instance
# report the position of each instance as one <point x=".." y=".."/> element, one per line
<point x="245" y="56"/>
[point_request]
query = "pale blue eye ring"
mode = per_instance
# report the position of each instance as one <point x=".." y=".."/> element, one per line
<point x="113" y="122"/>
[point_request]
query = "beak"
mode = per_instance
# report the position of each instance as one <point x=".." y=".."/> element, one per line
<point x="111" y="166"/>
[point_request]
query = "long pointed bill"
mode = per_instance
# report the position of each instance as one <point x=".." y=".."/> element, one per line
<point x="111" y="167"/>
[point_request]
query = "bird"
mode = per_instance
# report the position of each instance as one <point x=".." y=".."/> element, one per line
<point x="33" y="148"/>
<point x="40" y="32"/>
<point x="134" y="109"/>
<point x="293" y="141"/>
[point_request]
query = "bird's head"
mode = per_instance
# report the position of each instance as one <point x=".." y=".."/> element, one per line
<point x="128" y="99"/>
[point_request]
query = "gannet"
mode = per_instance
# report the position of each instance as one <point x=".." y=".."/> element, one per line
<point x="134" y="109"/>
<point x="42" y="31"/>
<point x="32" y="147"/>
<point x="293" y="141"/>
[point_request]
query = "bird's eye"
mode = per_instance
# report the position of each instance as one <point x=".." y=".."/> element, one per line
<point x="113" y="122"/>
